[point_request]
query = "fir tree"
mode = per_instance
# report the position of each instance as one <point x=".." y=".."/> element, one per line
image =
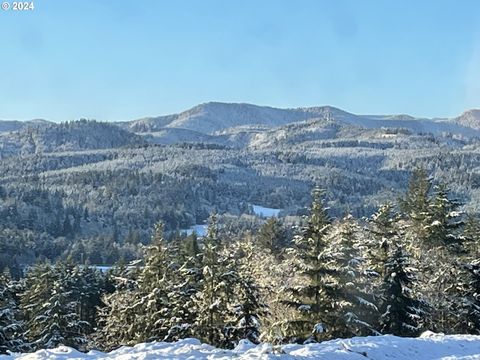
<point x="471" y="235"/>
<point x="310" y="295"/>
<point x="467" y="305"/>
<point x="213" y="301"/>
<point x="445" y="221"/>
<point x="250" y="307"/>
<point x="352" y="306"/>
<point x="153" y="286"/>
<point x="10" y="324"/>
<point x="272" y="236"/>
<point x="416" y="204"/>
<point x="51" y="308"/>
<point x="402" y="312"/>
<point x="383" y="235"/>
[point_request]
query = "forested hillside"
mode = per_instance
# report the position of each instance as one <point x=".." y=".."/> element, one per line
<point x="94" y="190"/>
<point x="409" y="267"/>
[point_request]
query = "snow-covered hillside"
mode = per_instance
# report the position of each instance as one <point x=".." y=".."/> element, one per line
<point x="429" y="346"/>
<point x="214" y="117"/>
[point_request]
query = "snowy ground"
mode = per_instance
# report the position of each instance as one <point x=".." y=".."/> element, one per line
<point x="428" y="346"/>
<point x="265" y="212"/>
<point x="200" y="230"/>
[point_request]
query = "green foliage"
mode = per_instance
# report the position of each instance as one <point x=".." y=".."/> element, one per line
<point x="11" y="338"/>
<point x="58" y="304"/>
<point x="402" y="313"/>
<point x="338" y="278"/>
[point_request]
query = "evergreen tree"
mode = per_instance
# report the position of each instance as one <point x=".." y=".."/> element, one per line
<point x="311" y="293"/>
<point x="50" y="307"/>
<point x="10" y="324"/>
<point x="445" y="221"/>
<point x="213" y="301"/>
<point x="117" y="315"/>
<point x="402" y="312"/>
<point x="383" y="234"/>
<point x="416" y="204"/>
<point x="352" y="306"/>
<point x="250" y="307"/>
<point x="272" y="236"/>
<point x="439" y="271"/>
<point x="142" y="308"/>
<point x="467" y="305"/>
<point x="185" y="286"/>
<point x="471" y="235"/>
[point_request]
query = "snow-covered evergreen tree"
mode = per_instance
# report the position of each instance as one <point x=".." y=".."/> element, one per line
<point x="213" y="302"/>
<point x="383" y="232"/>
<point x="402" y="313"/>
<point x="272" y="236"/>
<point x="471" y="234"/>
<point x="445" y="221"/>
<point x="153" y="285"/>
<point x="250" y="307"/>
<point x="310" y="294"/>
<point x="354" y="309"/>
<point x="143" y="305"/>
<point x="466" y="308"/>
<point x="10" y="325"/>
<point x="50" y="307"/>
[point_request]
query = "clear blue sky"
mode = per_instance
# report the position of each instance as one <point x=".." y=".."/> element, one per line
<point x="119" y="60"/>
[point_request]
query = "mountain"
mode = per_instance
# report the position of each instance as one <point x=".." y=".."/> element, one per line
<point x="470" y="118"/>
<point x="91" y="180"/>
<point x="215" y="118"/>
<point x="15" y="125"/>
<point x="166" y="136"/>
<point x="69" y="136"/>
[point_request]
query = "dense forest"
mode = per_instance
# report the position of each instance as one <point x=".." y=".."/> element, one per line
<point x="411" y="266"/>
<point x="93" y="191"/>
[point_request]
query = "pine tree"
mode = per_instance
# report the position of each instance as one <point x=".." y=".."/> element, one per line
<point x="471" y="235"/>
<point x="10" y="324"/>
<point x="118" y="320"/>
<point x="352" y="306"/>
<point x="310" y="294"/>
<point x="272" y="236"/>
<point x="383" y="232"/>
<point x="154" y="281"/>
<point x="250" y="307"/>
<point x="445" y="221"/>
<point x="402" y="312"/>
<point x="416" y="204"/>
<point x="416" y="201"/>
<point x="155" y="303"/>
<point x="50" y="308"/>
<point x="185" y="287"/>
<point x="213" y="301"/>
<point x="439" y="271"/>
<point x="467" y="305"/>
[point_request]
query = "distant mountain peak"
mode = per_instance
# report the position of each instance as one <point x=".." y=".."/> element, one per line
<point x="470" y="118"/>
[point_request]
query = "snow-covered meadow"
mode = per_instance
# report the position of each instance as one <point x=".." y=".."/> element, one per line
<point x="265" y="211"/>
<point x="428" y="346"/>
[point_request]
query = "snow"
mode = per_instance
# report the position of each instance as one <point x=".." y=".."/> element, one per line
<point x="265" y="212"/>
<point x="103" y="268"/>
<point x="427" y="347"/>
<point x="200" y="230"/>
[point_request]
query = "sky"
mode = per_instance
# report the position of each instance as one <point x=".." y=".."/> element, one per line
<point x="121" y="60"/>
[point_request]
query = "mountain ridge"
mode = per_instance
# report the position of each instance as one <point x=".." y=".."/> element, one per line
<point x="213" y="117"/>
<point x="216" y="122"/>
